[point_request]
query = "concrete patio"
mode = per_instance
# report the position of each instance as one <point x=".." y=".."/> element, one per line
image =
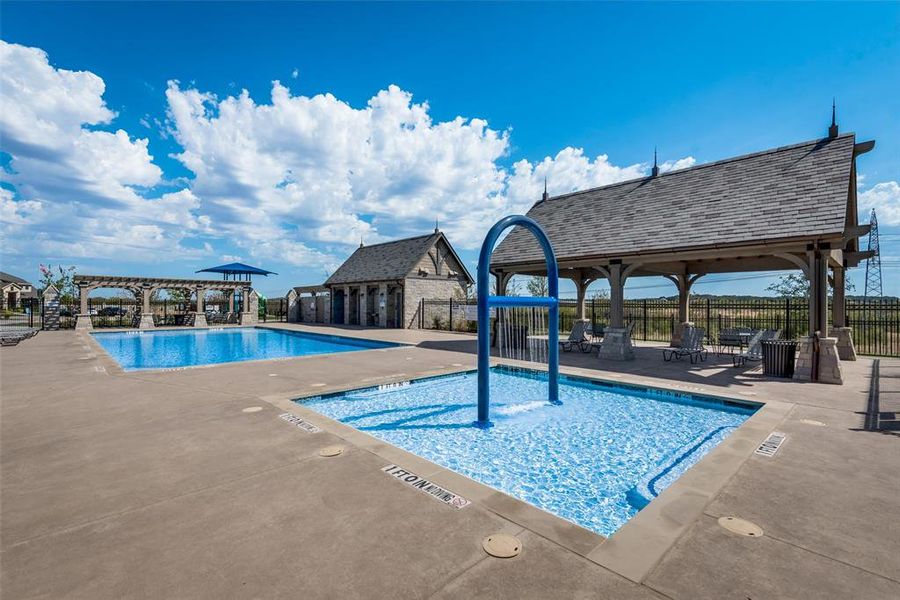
<point x="159" y="484"/>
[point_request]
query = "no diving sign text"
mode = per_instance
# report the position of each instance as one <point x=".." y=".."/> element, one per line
<point x="425" y="486"/>
<point x="300" y="423"/>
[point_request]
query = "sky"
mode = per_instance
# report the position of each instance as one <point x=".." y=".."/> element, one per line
<point x="159" y="139"/>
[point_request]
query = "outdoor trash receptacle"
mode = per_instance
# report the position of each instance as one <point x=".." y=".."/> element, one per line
<point x="778" y="357"/>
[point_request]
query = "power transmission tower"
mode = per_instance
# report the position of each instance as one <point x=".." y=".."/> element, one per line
<point x="873" y="263"/>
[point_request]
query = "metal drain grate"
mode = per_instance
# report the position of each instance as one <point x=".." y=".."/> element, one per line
<point x="771" y="445"/>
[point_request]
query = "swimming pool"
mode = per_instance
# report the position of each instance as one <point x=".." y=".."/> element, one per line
<point x="595" y="460"/>
<point x="165" y="349"/>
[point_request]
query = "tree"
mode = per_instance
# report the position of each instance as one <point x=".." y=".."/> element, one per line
<point x="796" y="285"/>
<point x="62" y="278"/>
<point x="537" y="286"/>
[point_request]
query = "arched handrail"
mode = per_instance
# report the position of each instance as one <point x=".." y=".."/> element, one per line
<point x="486" y="302"/>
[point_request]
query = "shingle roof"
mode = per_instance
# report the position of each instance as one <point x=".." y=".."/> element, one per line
<point x="7" y="278"/>
<point x="786" y="192"/>
<point x="387" y="261"/>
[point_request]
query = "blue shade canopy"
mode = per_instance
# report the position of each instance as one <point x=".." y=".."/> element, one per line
<point x="237" y="269"/>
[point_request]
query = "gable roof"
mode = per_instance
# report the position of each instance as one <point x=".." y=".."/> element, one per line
<point x="788" y="192"/>
<point x="389" y="260"/>
<point x="7" y="278"/>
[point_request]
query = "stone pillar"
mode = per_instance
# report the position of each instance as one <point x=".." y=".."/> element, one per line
<point x="294" y="309"/>
<point x="617" y="343"/>
<point x="50" y="299"/>
<point x="200" y="315"/>
<point x="845" y="347"/>
<point x="363" y="305"/>
<point x="229" y="301"/>
<point x="83" y="321"/>
<point x="382" y="305"/>
<point x="146" y="311"/>
<point x="250" y="315"/>
<point x="818" y="292"/>
<point x="346" y="305"/>
<point x="829" y="364"/>
<point x="616" y="297"/>
<point x="684" y="282"/>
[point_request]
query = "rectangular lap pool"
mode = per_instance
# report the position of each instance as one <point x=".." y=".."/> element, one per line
<point x="166" y="349"/>
<point x="595" y="460"/>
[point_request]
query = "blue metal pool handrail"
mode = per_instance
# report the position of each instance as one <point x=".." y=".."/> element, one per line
<point x="486" y="302"/>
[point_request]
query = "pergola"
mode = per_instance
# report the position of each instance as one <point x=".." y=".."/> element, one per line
<point x="793" y="207"/>
<point x="143" y="288"/>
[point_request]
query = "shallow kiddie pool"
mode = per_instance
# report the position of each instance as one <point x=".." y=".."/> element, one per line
<point x="595" y="460"/>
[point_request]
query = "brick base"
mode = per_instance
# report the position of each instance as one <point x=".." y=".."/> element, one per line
<point x="147" y="322"/>
<point x="678" y="332"/>
<point x="845" y="348"/>
<point x="617" y="345"/>
<point x="829" y="362"/>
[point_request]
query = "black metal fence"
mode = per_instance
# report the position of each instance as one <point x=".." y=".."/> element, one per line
<point x="875" y="322"/>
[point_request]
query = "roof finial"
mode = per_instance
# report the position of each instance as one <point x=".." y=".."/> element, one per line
<point x="361" y="242"/>
<point x="833" y="130"/>
<point x="546" y="196"/>
<point x="655" y="171"/>
<point x="436" y="228"/>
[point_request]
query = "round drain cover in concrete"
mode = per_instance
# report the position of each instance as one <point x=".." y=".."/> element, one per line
<point x="331" y="451"/>
<point x="740" y="526"/>
<point x="252" y="409"/>
<point x="502" y="545"/>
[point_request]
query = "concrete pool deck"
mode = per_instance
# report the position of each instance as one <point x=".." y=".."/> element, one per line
<point x="158" y="484"/>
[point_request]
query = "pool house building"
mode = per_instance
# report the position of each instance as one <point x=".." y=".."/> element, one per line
<point x="383" y="285"/>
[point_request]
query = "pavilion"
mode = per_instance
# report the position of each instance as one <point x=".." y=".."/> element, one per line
<point x="144" y="287"/>
<point x="793" y="207"/>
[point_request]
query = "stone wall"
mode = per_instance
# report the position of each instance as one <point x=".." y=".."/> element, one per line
<point x="293" y="306"/>
<point x="315" y="310"/>
<point x="418" y="288"/>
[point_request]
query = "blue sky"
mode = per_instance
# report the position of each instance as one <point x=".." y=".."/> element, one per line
<point x="580" y="93"/>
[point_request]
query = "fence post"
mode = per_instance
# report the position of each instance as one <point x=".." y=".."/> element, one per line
<point x="450" y="328"/>
<point x="593" y="314"/>
<point x="644" y="337"/>
<point x="787" y="319"/>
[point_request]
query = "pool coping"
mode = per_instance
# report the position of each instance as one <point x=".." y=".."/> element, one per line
<point x="111" y="365"/>
<point x="636" y="547"/>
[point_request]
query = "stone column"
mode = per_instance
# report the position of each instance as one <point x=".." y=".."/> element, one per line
<point x="382" y="304"/>
<point x="363" y="305"/>
<point x="146" y="310"/>
<point x="229" y="301"/>
<point x="346" y="305"/>
<point x="684" y="283"/>
<point x="843" y="334"/>
<point x="83" y="321"/>
<point x="50" y="299"/>
<point x="250" y="314"/>
<point x="829" y="363"/>
<point x="200" y="315"/>
<point x="616" y="339"/>
<point x="818" y="293"/>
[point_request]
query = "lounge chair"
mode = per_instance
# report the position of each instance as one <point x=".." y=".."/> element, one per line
<point x="691" y="346"/>
<point x="580" y="337"/>
<point x="754" y="348"/>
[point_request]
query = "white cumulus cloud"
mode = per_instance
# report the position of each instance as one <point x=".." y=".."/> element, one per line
<point x="885" y="199"/>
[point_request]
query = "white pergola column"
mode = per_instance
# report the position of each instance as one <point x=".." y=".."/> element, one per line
<point x="200" y="315"/>
<point x="83" y="321"/>
<point x="581" y="282"/>
<point x="146" y="311"/>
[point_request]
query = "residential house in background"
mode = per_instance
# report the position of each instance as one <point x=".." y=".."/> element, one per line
<point x="13" y="289"/>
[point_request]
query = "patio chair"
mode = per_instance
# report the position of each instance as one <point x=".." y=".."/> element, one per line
<point x="754" y="348"/>
<point x="691" y="346"/>
<point x="580" y="337"/>
<point x="9" y="338"/>
<point x="731" y="338"/>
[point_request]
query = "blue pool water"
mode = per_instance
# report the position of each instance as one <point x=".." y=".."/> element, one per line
<point x="595" y="460"/>
<point x="135" y="350"/>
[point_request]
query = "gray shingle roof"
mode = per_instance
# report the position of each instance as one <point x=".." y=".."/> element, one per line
<point x="387" y="261"/>
<point x="7" y="278"/>
<point x="786" y="192"/>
